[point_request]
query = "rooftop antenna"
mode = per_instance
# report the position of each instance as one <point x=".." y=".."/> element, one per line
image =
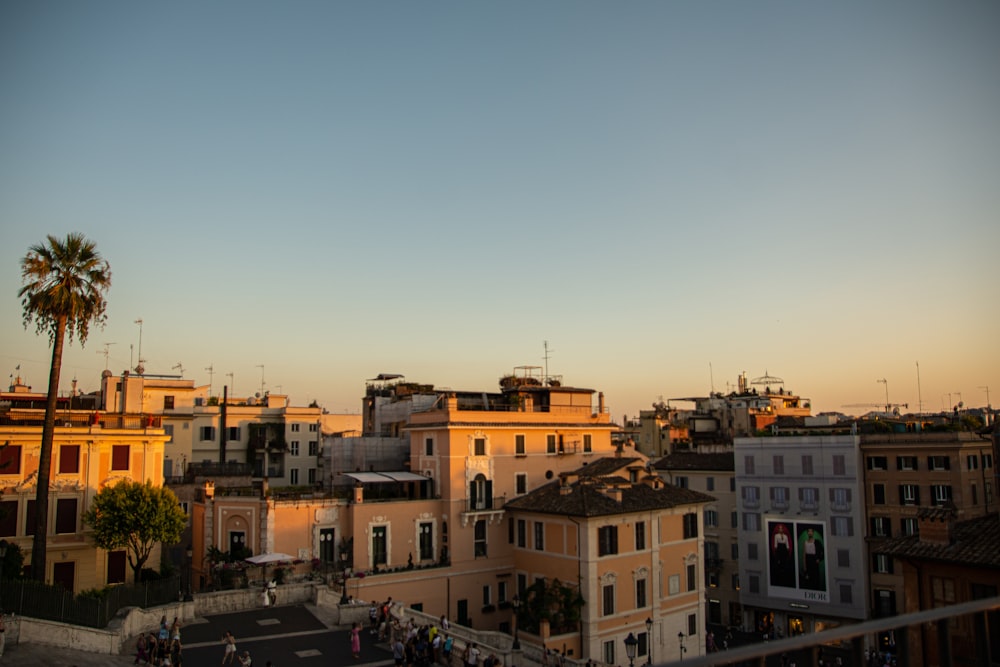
<point x="545" y="344"/>
<point x="179" y="367"/>
<point x="987" y="388"/>
<point x="886" y="383"/>
<point x="211" y="374"/>
<point x="139" y="367"/>
<point x="261" y="367"/>
<point x="920" y="400"/>
<point x="232" y="383"/>
<point x="711" y="377"/>
<point x="107" y="353"/>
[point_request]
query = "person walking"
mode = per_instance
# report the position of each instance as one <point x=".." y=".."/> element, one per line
<point x="230" y="651"/>
<point x="356" y="640"/>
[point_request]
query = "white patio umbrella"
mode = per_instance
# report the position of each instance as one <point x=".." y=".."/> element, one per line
<point x="264" y="559"/>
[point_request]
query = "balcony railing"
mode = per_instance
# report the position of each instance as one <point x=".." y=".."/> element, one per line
<point x="80" y="419"/>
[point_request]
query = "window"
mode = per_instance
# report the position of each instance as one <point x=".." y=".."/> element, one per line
<point x="640" y="535"/>
<point x="807" y="464"/>
<point x="119" y="457"/>
<point x="909" y="494"/>
<point x="938" y="463"/>
<point x="748" y="465"/>
<point x="479" y="445"/>
<point x="881" y="526"/>
<point x="608" y="651"/>
<point x="751" y="497"/>
<point x="779" y="497"/>
<point x="942" y="591"/>
<point x="311" y="475"/>
<point x="479" y="539"/>
<point x="710" y="484"/>
<point x="168" y="402"/>
<point x="839" y="465"/>
<point x="607" y="540"/>
<point x="735" y="582"/>
<point x="809" y="498"/>
<point x="975" y="494"/>
<point x="522" y="533"/>
<point x="779" y="464"/>
<point x="640" y="593"/>
<point x="293" y="448"/>
<point x="519" y="444"/>
<point x="734" y="519"/>
<point x="906" y="463"/>
<point x="487" y="595"/>
<point x="692" y="625"/>
<point x="843" y="557"/>
<point x="987" y="461"/>
<point x="66" y="515"/>
<point x="169" y="430"/>
<point x="840" y="499"/>
<point x="754" y="584"/>
<point x="752" y="553"/>
<point x="588" y="444"/>
<point x="842" y="526"/>
<point x="501" y="591"/>
<point x="878" y="463"/>
<point x="908" y="525"/>
<point x="313" y="448"/>
<point x="681" y="482"/>
<point x="69" y="459"/>
<point x="878" y="494"/>
<point x="8" y="518"/>
<point x="941" y="493"/>
<point x="846" y="594"/>
<point x="233" y="433"/>
<point x="608" y="600"/>
<point x="732" y="484"/>
<point x="314" y="428"/>
<point x="521" y="483"/>
<point x="295" y="428"/>
<point x="692" y="577"/>
<point x="539" y="536"/>
<point x="293" y="476"/>
<point x="751" y="521"/>
<point x="690" y="526"/>
<point x="711" y="518"/>
<point x="674" y="584"/>
<point x="380" y="545"/>
<point x="734" y="551"/>
<point x="550" y="443"/>
<point x="972" y="462"/>
<point x="882" y="563"/>
<point x="206" y="433"/>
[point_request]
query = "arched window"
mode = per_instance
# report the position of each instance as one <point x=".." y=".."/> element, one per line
<point x="481" y="493"/>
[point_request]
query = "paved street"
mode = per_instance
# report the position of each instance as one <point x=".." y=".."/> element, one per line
<point x="293" y="635"/>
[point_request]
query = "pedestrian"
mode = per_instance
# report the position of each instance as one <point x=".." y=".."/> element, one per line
<point x="245" y="660"/>
<point x="398" y="652"/>
<point x="175" y="630"/>
<point x="356" y="640"/>
<point x="472" y="655"/>
<point x="373" y="619"/>
<point x="230" y="651"/>
<point x="445" y="625"/>
<point x="449" y="644"/>
<point x="141" y="650"/>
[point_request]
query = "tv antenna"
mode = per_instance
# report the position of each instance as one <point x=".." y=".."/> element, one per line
<point x="545" y="344"/>
<point x="886" y="383"/>
<point x="987" y="388"/>
<point x="106" y="353"/>
<point x="179" y="367"/>
<point x="261" y="367"/>
<point x="232" y="383"/>
<point x="211" y="373"/>
<point x="139" y="367"/>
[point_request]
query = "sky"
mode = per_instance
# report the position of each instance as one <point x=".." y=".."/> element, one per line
<point x="646" y="198"/>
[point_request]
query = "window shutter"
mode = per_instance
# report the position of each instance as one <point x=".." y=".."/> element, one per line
<point x="472" y="494"/>
<point x="489" y="494"/>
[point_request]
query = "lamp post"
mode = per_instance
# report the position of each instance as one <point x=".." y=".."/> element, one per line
<point x="516" y="603"/>
<point x="190" y="573"/>
<point x="343" y="575"/>
<point x="630" y="643"/>
<point x="649" y="641"/>
<point x="680" y="642"/>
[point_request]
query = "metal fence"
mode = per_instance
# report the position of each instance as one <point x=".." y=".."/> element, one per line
<point x="55" y="603"/>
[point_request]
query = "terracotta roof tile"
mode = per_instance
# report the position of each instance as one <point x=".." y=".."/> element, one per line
<point x="975" y="542"/>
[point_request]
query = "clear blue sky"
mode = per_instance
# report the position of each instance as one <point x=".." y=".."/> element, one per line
<point x="334" y="190"/>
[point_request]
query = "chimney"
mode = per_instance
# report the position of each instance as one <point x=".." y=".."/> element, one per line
<point x="566" y="483"/>
<point x="600" y="402"/>
<point x="209" y="489"/>
<point x="614" y="493"/>
<point x="935" y="524"/>
<point x="359" y="493"/>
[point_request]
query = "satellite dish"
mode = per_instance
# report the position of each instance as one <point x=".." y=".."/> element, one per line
<point x="257" y="395"/>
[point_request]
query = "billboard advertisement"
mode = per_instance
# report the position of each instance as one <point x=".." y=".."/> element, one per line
<point x="797" y="560"/>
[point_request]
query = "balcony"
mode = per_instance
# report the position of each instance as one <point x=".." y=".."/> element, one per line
<point x="489" y="509"/>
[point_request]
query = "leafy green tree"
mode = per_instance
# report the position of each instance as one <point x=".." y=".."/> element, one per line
<point x="63" y="287"/>
<point x="135" y="516"/>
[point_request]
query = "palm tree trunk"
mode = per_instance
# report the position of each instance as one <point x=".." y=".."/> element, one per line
<point x="39" y="544"/>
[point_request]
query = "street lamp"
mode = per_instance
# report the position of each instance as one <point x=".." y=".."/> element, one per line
<point x="516" y="603"/>
<point x="344" y="575"/>
<point x="190" y="572"/>
<point x="649" y="641"/>
<point x="630" y="643"/>
<point x="680" y="641"/>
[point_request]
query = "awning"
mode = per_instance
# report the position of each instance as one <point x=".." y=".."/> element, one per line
<point x="385" y="477"/>
<point x="405" y="476"/>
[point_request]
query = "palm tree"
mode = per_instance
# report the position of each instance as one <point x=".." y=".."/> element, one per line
<point x="63" y="289"/>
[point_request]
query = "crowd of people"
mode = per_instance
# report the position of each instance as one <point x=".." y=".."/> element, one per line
<point x="161" y="648"/>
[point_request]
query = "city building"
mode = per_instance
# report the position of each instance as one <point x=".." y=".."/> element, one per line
<point x="801" y="532"/>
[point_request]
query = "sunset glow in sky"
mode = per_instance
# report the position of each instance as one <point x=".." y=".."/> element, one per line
<point x="669" y="193"/>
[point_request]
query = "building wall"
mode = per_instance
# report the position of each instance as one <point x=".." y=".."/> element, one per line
<point x="836" y="515"/>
